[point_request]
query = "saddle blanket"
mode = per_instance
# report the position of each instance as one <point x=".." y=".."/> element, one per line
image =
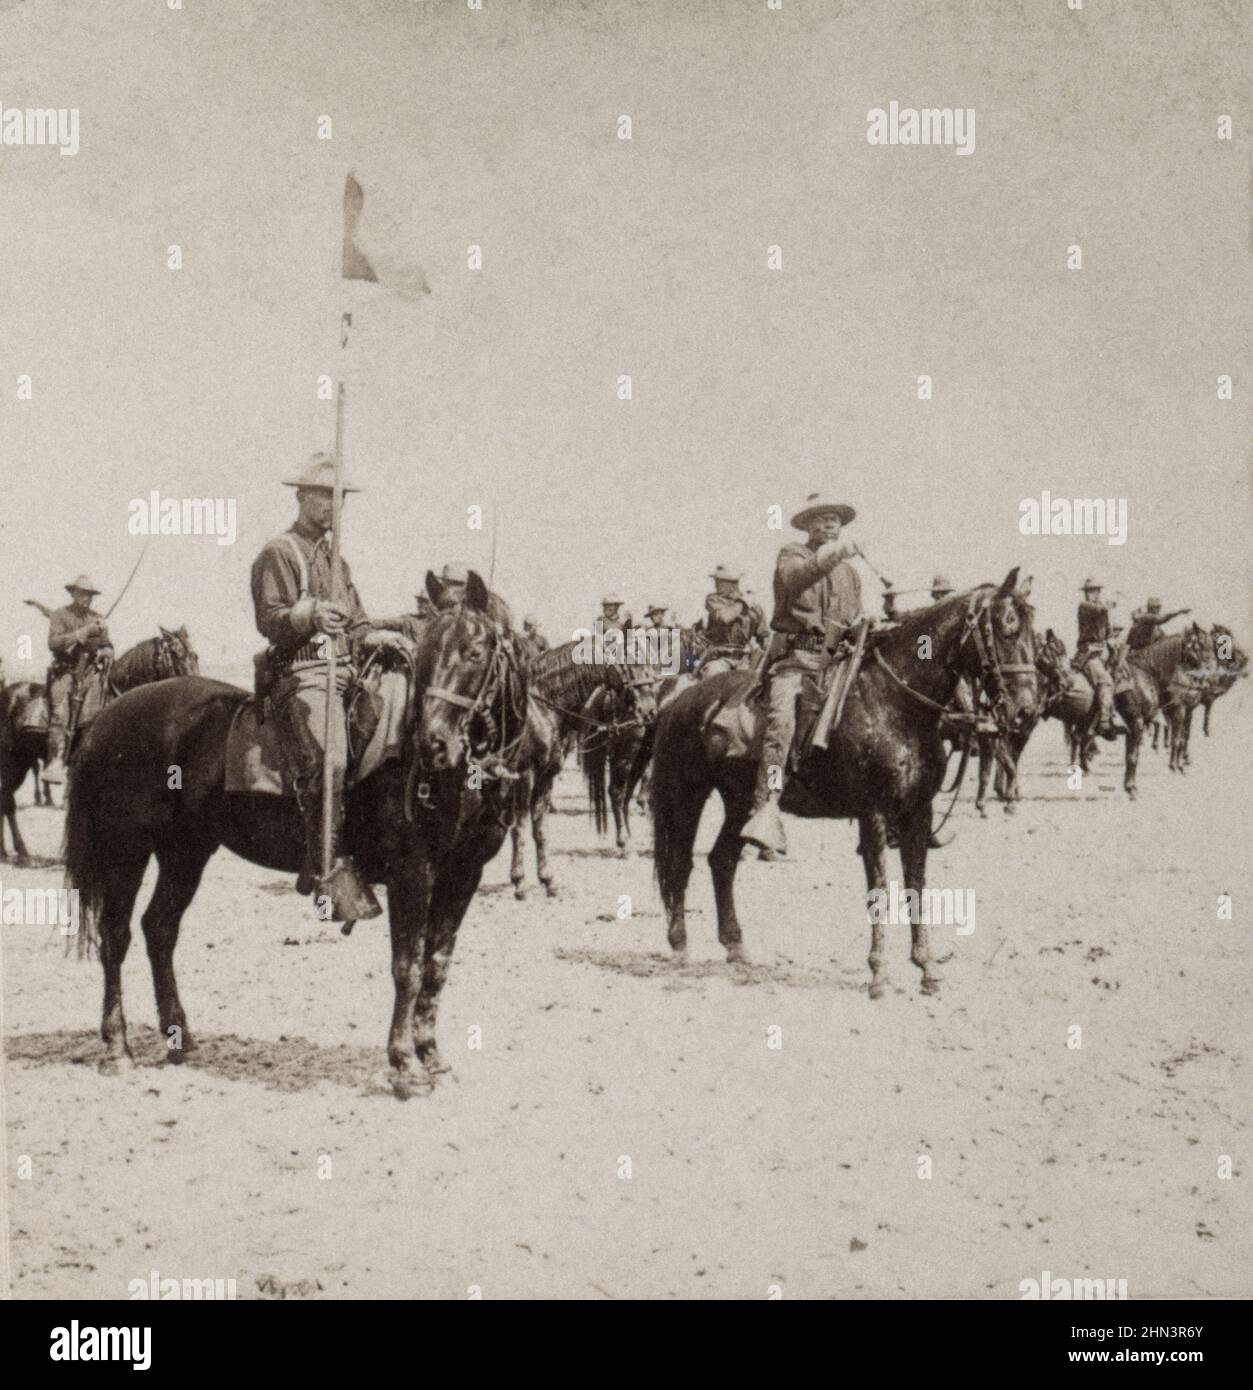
<point x="375" y="735"/>
<point x="735" y="727"/>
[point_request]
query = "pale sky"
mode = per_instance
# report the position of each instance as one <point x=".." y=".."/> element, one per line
<point x="647" y="257"/>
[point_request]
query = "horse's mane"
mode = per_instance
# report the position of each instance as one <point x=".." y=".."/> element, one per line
<point x="1160" y="658"/>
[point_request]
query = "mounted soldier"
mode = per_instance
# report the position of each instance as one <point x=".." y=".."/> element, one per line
<point x="611" y="615"/>
<point x="532" y="635"/>
<point x="729" y="632"/>
<point x="78" y="640"/>
<point x="941" y="588"/>
<point x="1147" y="624"/>
<point x="817" y="598"/>
<point x="655" y="615"/>
<point x="304" y="611"/>
<point x="1091" y="654"/>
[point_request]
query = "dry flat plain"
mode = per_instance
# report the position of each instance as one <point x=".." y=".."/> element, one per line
<point x="626" y="1128"/>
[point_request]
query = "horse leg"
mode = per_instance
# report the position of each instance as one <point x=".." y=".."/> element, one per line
<point x="619" y="776"/>
<point x="449" y="900"/>
<point x="8" y="811"/>
<point x="114" y="930"/>
<point x="985" y="768"/>
<point x="1135" y="732"/>
<point x="724" y="859"/>
<point x="523" y="793"/>
<point x="408" y="907"/>
<point x="539" y="833"/>
<point x="178" y="877"/>
<point x="872" y="847"/>
<point x="915" y="834"/>
<point x="681" y="821"/>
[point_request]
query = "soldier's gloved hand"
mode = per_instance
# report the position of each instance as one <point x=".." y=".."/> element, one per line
<point x="329" y="617"/>
<point x="830" y="553"/>
<point x="386" y="639"/>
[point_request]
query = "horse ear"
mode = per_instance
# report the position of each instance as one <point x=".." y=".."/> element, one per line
<point x="434" y="588"/>
<point x="1011" y="581"/>
<point x="1024" y="589"/>
<point x="165" y="631"/>
<point x="476" y="592"/>
<point x="182" y="632"/>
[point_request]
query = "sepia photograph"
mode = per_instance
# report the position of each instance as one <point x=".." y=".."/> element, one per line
<point x="623" y="658"/>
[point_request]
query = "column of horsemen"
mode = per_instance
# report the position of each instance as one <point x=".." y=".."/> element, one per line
<point x="303" y="605"/>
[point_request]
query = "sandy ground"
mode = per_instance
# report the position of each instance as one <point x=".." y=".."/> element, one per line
<point x="626" y="1129"/>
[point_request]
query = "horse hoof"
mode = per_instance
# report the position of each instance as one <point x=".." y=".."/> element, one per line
<point x="23" y="860"/>
<point x="624" y="851"/>
<point x="429" y="1057"/>
<point x="878" y="988"/>
<point x="519" y="892"/>
<point x="737" y="955"/>
<point x="931" y="984"/>
<point x="550" y="888"/>
<point x="116" y="1066"/>
<point x="1131" y="792"/>
<point x="982" y="811"/>
<point x="411" y="1085"/>
<point x="679" y="955"/>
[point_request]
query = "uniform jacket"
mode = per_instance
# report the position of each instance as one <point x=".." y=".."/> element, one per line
<point x="808" y="601"/>
<point x="1144" y="629"/>
<point x="1093" y="624"/>
<point x="62" y="641"/>
<point x="276" y="588"/>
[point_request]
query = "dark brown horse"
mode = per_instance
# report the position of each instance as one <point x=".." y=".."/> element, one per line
<point x="1231" y="663"/>
<point x="617" y="748"/>
<point x="1004" y="752"/>
<point x="1157" y="682"/>
<point x="424" y="825"/>
<point x="884" y="764"/>
<point x="24" y="715"/>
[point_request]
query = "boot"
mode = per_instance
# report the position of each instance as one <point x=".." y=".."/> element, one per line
<point x="764" y="828"/>
<point x="351" y="898"/>
<point x="54" y="768"/>
<point x="1105" y="713"/>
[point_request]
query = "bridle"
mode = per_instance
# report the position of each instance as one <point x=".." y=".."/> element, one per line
<point x="977" y="629"/>
<point x="605" y="726"/>
<point x="498" y="685"/>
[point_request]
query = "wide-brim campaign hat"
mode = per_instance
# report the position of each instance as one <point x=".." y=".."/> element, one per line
<point x="818" y="505"/>
<point x="83" y="585"/>
<point x="455" y="572"/>
<point x="1090" y="583"/>
<point x="725" y="573"/>
<point x="612" y="598"/>
<point x="320" y="472"/>
<point x="654" y="608"/>
<point x="942" y="581"/>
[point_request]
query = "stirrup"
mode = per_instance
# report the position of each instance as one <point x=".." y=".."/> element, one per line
<point x="351" y="898"/>
<point x="764" y="828"/>
<point x="53" y="771"/>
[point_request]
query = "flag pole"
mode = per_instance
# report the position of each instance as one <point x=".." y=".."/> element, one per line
<point x="332" y="694"/>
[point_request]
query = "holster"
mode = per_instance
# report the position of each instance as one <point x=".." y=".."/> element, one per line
<point x="263" y="674"/>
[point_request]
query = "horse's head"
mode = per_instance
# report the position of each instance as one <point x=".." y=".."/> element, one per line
<point x="473" y="695"/>
<point x="998" y="648"/>
<point x="635" y="694"/>
<point x="1198" y="647"/>
<point x="176" y="655"/>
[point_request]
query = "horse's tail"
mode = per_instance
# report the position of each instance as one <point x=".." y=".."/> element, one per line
<point x="675" y="807"/>
<point x="85" y="853"/>
<point x="596" y="774"/>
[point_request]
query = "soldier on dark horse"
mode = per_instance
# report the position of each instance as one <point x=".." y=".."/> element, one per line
<point x="817" y="599"/>
<point x="303" y="610"/>
<point x="79" y="641"/>
<point x="731" y="632"/>
<point x="423" y="821"/>
<point x="881" y="759"/>
<point x="1092" y="653"/>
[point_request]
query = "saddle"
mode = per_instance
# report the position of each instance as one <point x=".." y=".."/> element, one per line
<point x="734" y="727"/>
<point x="376" y="716"/>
